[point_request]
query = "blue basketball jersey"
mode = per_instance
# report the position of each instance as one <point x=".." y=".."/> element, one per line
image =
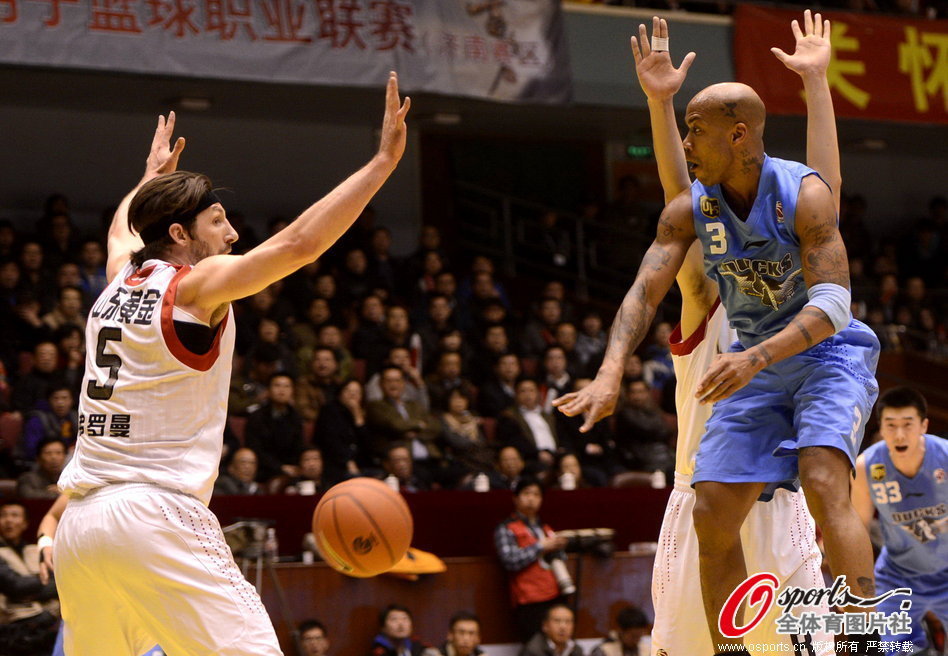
<point x="913" y="511"/>
<point x="756" y="263"/>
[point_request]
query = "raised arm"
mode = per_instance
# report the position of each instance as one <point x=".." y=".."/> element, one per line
<point x="162" y="158"/>
<point x="660" y="81"/>
<point x="826" y="272"/>
<point x="656" y="275"/>
<point x="220" y="279"/>
<point x="810" y="60"/>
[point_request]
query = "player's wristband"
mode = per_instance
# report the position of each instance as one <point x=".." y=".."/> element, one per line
<point x="44" y="541"/>
<point x="660" y="43"/>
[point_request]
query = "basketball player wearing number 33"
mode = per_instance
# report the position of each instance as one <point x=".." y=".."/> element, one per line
<point x="139" y="557"/>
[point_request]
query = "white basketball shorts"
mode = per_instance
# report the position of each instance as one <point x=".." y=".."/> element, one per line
<point x="137" y="564"/>
<point x="778" y="536"/>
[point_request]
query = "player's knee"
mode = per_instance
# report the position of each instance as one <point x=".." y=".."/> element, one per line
<point x="825" y="492"/>
<point x="716" y="529"/>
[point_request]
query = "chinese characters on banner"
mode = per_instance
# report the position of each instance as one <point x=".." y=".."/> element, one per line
<point x="511" y="51"/>
<point x="882" y="68"/>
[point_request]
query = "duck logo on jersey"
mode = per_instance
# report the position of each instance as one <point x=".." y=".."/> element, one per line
<point x="923" y="524"/>
<point x="710" y="207"/>
<point x="764" y="279"/>
<point x="779" y="209"/>
<point x="877" y="472"/>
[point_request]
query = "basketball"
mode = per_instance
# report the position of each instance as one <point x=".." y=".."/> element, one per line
<point x="362" y="527"/>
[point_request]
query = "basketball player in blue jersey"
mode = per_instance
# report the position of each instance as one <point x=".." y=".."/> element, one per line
<point x="792" y="397"/>
<point x="905" y="478"/>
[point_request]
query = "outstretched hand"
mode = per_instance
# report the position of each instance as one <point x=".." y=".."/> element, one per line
<point x="163" y="158"/>
<point x="657" y="75"/>
<point x="813" y="50"/>
<point x="595" y="401"/>
<point x="394" y="131"/>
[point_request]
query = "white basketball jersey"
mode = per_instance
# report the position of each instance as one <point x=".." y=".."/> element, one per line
<point x="691" y="359"/>
<point x="150" y="411"/>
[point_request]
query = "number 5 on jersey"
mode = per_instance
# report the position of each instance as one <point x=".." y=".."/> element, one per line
<point x="718" y="238"/>
<point x="103" y="359"/>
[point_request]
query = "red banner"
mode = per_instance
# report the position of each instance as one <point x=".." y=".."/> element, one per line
<point x="892" y="69"/>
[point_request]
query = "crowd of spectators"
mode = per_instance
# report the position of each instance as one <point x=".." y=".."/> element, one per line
<point x="420" y="369"/>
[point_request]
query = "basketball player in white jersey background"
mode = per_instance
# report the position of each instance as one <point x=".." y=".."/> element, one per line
<point x="139" y="557"/>
<point x="778" y="536"/>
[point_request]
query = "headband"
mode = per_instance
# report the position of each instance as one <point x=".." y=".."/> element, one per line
<point x="158" y="229"/>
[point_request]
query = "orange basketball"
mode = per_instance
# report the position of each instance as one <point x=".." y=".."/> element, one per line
<point x="362" y="527"/>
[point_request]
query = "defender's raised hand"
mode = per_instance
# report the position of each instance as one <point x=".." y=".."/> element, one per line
<point x="163" y="158"/>
<point x="813" y="50"/>
<point x="657" y="75"/>
<point x="394" y="131"/>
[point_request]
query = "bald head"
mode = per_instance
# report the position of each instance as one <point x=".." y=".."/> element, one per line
<point x="731" y="102"/>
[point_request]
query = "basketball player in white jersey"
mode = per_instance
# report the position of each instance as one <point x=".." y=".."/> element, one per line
<point x="139" y="557"/>
<point x="779" y="535"/>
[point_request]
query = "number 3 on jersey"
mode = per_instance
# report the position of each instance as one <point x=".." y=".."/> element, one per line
<point x="103" y="359"/>
<point x="718" y="238"/>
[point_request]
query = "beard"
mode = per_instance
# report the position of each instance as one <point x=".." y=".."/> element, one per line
<point x="199" y="250"/>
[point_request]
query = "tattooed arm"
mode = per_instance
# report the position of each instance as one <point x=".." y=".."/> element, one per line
<point x="823" y="258"/>
<point x="656" y="275"/>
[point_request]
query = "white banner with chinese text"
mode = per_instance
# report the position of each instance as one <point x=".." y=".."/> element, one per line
<point x="506" y="50"/>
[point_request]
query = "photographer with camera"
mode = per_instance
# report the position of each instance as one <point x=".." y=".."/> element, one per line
<point x="534" y="557"/>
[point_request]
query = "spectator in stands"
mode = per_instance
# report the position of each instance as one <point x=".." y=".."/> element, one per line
<point x="522" y="541"/>
<point x="9" y="284"/>
<point x="398" y="462"/>
<point x="465" y="439"/>
<point x="321" y="384"/>
<point x="32" y="389"/>
<point x="642" y="431"/>
<point x="445" y="379"/>
<point x="60" y="241"/>
<point x="555" y="637"/>
<point x="325" y="287"/>
<point x="240" y="475"/>
<point x="29" y="625"/>
<point x="556" y="289"/>
<point x="40" y="482"/>
<point x="657" y="370"/>
<point x="92" y="269"/>
<point x="354" y="279"/>
<point x="269" y="333"/>
<point x="594" y="448"/>
<point x="8" y="239"/>
<point x="495" y="342"/>
<point x="68" y="310"/>
<point x="395" y="634"/>
<point x="438" y="320"/>
<point x="446" y="284"/>
<point x="557" y="381"/>
<point x="566" y="336"/>
<point x="452" y="341"/>
<point x="464" y="636"/>
<point x="314" y="638"/>
<point x="497" y="394"/>
<point x="553" y="241"/>
<point x="431" y="265"/>
<point x="342" y="434"/>
<point x="633" y="368"/>
<point x="383" y="267"/>
<point x="60" y="421"/>
<point x="415" y="388"/>
<point x="331" y="337"/>
<point x="397" y="332"/>
<point x="275" y="430"/>
<point x="528" y="428"/>
<point x="508" y="470"/>
<point x="67" y="275"/>
<point x="395" y="419"/>
<point x="27" y="328"/>
<point x="539" y="332"/>
<point x="248" y="391"/>
<point x="631" y="636"/>
<point x="311" y="478"/>
<point x="34" y="277"/>
<point x="71" y="345"/>
<point x="305" y="332"/>
<point x="369" y="337"/>
<point x="569" y="474"/>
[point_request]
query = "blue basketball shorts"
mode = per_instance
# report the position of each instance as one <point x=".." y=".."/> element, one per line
<point x="820" y="397"/>
<point x="928" y="594"/>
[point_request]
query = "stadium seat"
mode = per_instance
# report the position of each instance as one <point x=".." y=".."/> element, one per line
<point x="11" y="430"/>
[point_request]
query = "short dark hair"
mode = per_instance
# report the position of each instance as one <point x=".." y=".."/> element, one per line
<point x="280" y="374"/>
<point x="309" y="625"/>
<point x="161" y="198"/>
<point x="549" y="611"/>
<point x="26" y="511"/>
<point x="388" y="609"/>
<point x="525" y="379"/>
<point x="46" y="441"/>
<point x="59" y="386"/>
<point x="902" y="397"/>
<point x="397" y="444"/>
<point x="524" y="483"/>
<point x="631" y="617"/>
<point x="463" y="616"/>
<point x="389" y="367"/>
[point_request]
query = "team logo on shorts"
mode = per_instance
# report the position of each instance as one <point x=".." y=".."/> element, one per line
<point x="710" y="207"/>
<point x="939" y="475"/>
<point x="877" y="472"/>
<point x="779" y="212"/>
<point x="363" y="545"/>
